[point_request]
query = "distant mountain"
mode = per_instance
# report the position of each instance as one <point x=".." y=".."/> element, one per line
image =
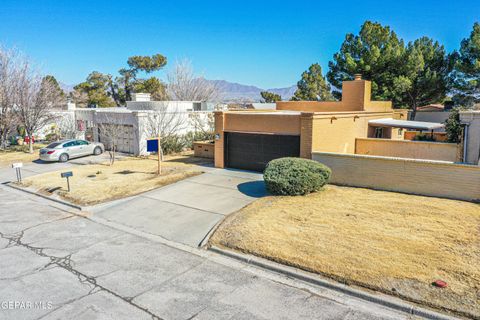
<point x="231" y="92"/>
<point x="235" y="92"/>
<point x="66" y="87"/>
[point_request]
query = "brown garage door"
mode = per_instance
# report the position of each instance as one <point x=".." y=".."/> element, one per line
<point x="253" y="151"/>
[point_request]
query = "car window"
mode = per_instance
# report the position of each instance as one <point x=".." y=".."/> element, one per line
<point x="53" y="145"/>
<point x="82" y="142"/>
<point x="69" y="144"/>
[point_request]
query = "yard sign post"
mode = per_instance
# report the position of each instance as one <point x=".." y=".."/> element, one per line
<point x="67" y="175"/>
<point x="17" y="166"/>
<point x="159" y="158"/>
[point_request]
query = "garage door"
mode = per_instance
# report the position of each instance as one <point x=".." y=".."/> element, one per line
<point x="253" y="151"/>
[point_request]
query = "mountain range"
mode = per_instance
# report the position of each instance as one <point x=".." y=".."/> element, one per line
<point x="233" y="92"/>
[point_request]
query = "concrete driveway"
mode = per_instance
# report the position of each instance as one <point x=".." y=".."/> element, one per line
<point x="57" y="264"/>
<point x="186" y="211"/>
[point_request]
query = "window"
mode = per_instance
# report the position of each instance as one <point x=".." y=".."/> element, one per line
<point x="69" y="144"/>
<point x="378" y="132"/>
<point x="53" y="145"/>
<point x="82" y="143"/>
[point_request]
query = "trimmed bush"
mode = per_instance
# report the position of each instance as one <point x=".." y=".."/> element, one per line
<point x="295" y="176"/>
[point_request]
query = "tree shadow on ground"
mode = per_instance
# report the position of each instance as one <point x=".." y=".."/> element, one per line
<point x="254" y="189"/>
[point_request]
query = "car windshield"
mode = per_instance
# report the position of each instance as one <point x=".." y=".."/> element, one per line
<point x="53" y="145"/>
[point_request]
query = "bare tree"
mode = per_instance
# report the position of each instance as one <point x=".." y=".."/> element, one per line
<point x="111" y="129"/>
<point x="35" y="97"/>
<point x="67" y="126"/>
<point x="184" y="85"/>
<point x="9" y="70"/>
<point x="165" y="123"/>
<point x="203" y="123"/>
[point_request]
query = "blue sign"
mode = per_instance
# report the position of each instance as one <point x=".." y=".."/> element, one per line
<point x="152" y="145"/>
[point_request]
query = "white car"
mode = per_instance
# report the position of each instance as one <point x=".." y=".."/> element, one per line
<point x="64" y="150"/>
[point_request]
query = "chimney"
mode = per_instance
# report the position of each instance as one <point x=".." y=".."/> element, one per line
<point x="357" y="76"/>
<point x="143" y="97"/>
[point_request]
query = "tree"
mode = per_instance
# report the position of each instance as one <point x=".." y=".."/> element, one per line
<point x="424" y="74"/>
<point x="165" y="123"/>
<point x="270" y="97"/>
<point x="55" y="85"/>
<point x="453" y="126"/>
<point x="466" y="73"/>
<point x="154" y="86"/>
<point x="376" y="53"/>
<point x="111" y="128"/>
<point x="98" y="90"/>
<point x="10" y="67"/>
<point x="313" y="86"/>
<point x="184" y="85"/>
<point x="34" y="100"/>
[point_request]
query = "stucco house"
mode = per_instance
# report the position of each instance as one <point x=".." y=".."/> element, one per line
<point x="249" y="139"/>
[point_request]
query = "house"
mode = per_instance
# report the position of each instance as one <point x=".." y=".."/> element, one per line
<point x="355" y="125"/>
<point x="141" y="118"/>
<point x="434" y="112"/>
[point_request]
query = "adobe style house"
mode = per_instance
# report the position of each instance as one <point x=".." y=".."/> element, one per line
<point x="249" y="139"/>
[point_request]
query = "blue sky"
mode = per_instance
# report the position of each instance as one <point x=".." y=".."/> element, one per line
<point x="263" y="43"/>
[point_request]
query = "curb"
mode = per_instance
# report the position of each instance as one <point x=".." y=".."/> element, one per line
<point x="65" y="203"/>
<point x="389" y="302"/>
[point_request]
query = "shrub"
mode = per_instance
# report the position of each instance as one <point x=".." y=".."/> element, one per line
<point x="173" y="144"/>
<point x="295" y="176"/>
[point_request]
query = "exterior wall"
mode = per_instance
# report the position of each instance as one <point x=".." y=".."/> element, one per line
<point x="337" y="132"/>
<point x="169" y="106"/>
<point x="430" y="178"/>
<point x="472" y="144"/>
<point x="219" y="140"/>
<point x="408" y="149"/>
<point x="355" y="97"/>
<point x="204" y="149"/>
<point x="432" y="116"/>
<point x="258" y="122"/>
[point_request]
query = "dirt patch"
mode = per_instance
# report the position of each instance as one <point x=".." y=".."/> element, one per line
<point x="97" y="183"/>
<point x="386" y="241"/>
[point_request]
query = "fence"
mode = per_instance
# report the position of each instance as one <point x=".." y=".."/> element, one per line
<point x="423" y="177"/>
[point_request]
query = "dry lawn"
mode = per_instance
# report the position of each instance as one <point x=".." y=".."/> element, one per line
<point x="18" y="154"/>
<point x="392" y="242"/>
<point x="92" y="184"/>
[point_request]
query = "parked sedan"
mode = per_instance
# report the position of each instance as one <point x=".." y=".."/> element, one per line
<point x="68" y="149"/>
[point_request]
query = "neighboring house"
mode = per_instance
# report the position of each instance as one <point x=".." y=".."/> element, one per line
<point x="355" y="125"/>
<point x="471" y="139"/>
<point x="433" y="113"/>
<point x="136" y="118"/>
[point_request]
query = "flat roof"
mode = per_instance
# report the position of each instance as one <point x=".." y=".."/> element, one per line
<point x="394" y="123"/>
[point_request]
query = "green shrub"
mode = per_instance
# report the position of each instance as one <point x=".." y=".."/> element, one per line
<point x="295" y="176"/>
<point x="173" y="144"/>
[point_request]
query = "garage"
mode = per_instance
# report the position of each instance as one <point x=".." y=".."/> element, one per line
<point x="124" y="136"/>
<point x="253" y="151"/>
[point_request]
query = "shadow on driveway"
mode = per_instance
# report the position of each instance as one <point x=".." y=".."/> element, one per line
<point x="254" y="189"/>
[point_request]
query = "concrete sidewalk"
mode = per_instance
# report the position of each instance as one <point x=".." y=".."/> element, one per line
<point x="187" y="210"/>
<point x="60" y="265"/>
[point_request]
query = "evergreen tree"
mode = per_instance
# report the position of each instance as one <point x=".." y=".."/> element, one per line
<point x="313" y="86"/>
<point x="466" y="73"/>
<point x="270" y="97"/>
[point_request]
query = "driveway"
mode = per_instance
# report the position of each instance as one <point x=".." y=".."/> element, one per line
<point x="57" y="264"/>
<point x="186" y="211"/>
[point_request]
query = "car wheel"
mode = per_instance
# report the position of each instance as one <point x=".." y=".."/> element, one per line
<point x="97" y="151"/>
<point x="63" y="157"/>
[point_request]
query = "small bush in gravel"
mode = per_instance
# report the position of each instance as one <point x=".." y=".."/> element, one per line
<point x="295" y="176"/>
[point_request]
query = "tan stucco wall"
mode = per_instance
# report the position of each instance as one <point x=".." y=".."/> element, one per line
<point x="337" y="132"/>
<point x="257" y="122"/>
<point x="408" y="149"/>
<point x="355" y="97"/>
<point x="421" y="177"/>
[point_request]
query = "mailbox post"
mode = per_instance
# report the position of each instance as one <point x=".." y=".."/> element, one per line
<point x="18" y="171"/>
<point x="67" y="175"/>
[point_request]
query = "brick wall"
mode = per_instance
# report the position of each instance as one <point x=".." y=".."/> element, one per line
<point x="423" y="177"/>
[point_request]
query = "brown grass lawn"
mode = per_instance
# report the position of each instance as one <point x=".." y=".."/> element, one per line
<point x="92" y="184"/>
<point x="387" y="241"/>
<point x="19" y="154"/>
